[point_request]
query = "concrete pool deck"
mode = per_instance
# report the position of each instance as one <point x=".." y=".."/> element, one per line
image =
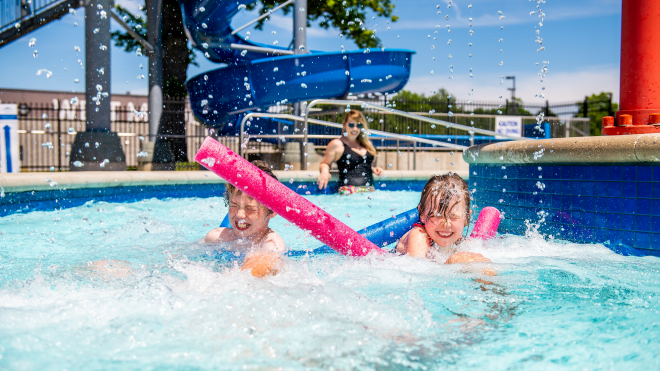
<point x="41" y="181"/>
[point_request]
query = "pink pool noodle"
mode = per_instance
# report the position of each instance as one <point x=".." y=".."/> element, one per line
<point x="487" y="223"/>
<point x="280" y="199"/>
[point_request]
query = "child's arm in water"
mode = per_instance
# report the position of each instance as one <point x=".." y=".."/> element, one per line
<point x="267" y="259"/>
<point x="218" y="235"/>
<point x="467" y="257"/>
<point x="415" y="243"/>
<point x="471" y="257"/>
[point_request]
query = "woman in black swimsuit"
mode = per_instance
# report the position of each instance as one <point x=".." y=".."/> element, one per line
<point x="354" y="155"/>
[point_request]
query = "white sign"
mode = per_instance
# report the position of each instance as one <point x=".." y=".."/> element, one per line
<point x="508" y="125"/>
<point x="9" y="161"/>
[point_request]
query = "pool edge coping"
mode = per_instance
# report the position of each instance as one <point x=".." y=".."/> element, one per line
<point x="41" y="181"/>
<point x="638" y="149"/>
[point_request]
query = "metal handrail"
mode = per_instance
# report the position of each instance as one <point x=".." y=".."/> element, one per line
<point x="362" y="104"/>
<point x="306" y="135"/>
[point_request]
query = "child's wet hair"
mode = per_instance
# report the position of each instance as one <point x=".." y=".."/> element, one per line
<point x="438" y="194"/>
<point x="229" y="188"/>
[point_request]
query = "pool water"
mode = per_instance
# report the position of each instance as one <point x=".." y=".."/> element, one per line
<point x="554" y="305"/>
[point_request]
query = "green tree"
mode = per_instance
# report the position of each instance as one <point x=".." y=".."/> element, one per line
<point x="176" y="58"/>
<point x="440" y="101"/>
<point x="349" y="17"/>
<point x="598" y="106"/>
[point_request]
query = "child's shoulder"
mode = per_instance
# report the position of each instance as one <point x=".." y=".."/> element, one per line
<point x="274" y="242"/>
<point x="217" y="235"/>
<point x="418" y="242"/>
<point x="418" y="232"/>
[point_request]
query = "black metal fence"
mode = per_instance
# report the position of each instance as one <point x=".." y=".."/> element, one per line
<point x="47" y="131"/>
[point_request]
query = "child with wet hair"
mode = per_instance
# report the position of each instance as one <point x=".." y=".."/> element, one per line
<point x="250" y="233"/>
<point x="444" y="212"/>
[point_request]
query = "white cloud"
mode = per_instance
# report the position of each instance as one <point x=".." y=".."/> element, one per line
<point x="517" y="16"/>
<point x="559" y="87"/>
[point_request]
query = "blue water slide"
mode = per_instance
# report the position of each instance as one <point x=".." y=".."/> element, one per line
<point x="252" y="82"/>
<point x="208" y="26"/>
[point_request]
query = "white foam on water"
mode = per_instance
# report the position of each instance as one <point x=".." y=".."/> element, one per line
<point x="552" y="304"/>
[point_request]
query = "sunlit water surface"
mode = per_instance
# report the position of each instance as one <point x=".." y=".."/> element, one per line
<point x="554" y="305"/>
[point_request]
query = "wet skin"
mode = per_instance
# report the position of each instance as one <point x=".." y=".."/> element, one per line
<point x="336" y="148"/>
<point x="250" y="232"/>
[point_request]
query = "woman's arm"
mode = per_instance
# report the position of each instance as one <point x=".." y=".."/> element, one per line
<point x="332" y="154"/>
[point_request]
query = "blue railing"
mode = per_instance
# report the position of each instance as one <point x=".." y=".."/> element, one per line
<point x="20" y="17"/>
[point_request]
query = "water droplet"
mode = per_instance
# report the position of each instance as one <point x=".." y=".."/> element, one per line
<point x="78" y="164"/>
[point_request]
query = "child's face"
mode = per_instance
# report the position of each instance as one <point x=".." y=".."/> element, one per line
<point x="246" y="215"/>
<point x="446" y="231"/>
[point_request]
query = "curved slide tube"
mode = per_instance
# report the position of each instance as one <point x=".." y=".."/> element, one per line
<point x="280" y="199"/>
<point x="216" y="95"/>
<point x="254" y="80"/>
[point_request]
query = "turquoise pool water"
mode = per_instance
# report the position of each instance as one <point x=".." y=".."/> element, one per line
<point x="554" y="305"/>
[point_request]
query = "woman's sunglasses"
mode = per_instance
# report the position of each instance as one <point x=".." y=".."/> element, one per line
<point x="352" y="125"/>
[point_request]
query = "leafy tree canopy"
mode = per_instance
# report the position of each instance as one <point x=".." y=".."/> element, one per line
<point x="598" y="106"/>
<point x="139" y="24"/>
<point x="347" y="16"/>
<point x="440" y="101"/>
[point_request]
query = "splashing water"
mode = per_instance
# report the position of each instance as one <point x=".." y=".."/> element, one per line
<point x="130" y="284"/>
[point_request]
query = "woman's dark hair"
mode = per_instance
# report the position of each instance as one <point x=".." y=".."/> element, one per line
<point x="438" y="194"/>
<point x="262" y="165"/>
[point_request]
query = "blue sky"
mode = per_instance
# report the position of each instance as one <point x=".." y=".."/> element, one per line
<point x="581" y="40"/>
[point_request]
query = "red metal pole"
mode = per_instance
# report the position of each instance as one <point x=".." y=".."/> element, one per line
<point x="640" y="68"/>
